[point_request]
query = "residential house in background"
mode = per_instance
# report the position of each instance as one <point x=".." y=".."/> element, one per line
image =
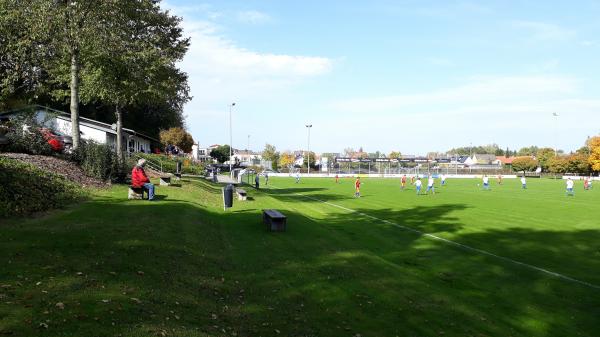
<point x="103" y="133"/>
<point x="201" y="154"/>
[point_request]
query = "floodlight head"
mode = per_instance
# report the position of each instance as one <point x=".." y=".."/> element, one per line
<point x="232" y="104"/>
<point x="554" y="114"/>
<point x="309" y="125"/>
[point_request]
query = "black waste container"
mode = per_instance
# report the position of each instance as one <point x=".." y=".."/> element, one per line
<point x="214" y="176"/>
<point x="228" y="196"/>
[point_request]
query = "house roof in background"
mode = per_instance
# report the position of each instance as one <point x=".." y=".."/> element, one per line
<point x="82" y="120"/>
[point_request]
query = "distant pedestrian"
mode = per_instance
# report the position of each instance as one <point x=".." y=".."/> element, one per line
<point x="266" y="179"/>
<point x="586" y="183"/>
<point x="257" y="181"/>
<point x="570" y="184"/>
<point x="418" y="184"/>
<point x="297" y="177"/>
<point x="430" y="183"/>
<point x="357" y="188"/>
<point x="403" y="182"/>
<point x="412" y="180"/>
<point x="499" y="179"/>
<point x="337" y="179"/>
<point x="443" y="180"/>
<point x="590" y="181"/>
<point x="524" y="182"/>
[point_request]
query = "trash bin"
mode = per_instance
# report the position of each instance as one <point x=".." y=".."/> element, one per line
<point x="214" y="176"/>
<point x="228" y="196"/>
<point x="178" y="167"/>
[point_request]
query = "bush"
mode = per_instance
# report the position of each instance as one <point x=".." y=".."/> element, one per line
<point x="26" y="189"/>
<point x="24" y="136"/>
<point x="99" y="161"/>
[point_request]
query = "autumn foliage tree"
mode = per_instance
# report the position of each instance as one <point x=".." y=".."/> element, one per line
<point x="286" y="159"/>
<point x="594" y="158"/>
<point x="178" y="137"/>
<point x="524" y="164"/>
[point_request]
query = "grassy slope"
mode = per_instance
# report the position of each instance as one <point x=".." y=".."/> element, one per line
<point x="333" y="273"/>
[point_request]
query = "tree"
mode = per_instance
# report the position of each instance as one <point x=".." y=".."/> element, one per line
<point x="395" y="154"/>
<point x="594" y="148"/>
<point x="524" y="164"/>
<point x="544" y="155"/>
<point x="349" y="152"/>
<point x="178" y="137"/>
<point x="558" y="164"/>
<point x="528" y="151"/>
<point x="507" y="153"/>
<point x="286" y="160"/>
<point x="63" y="35"/>
<point x="221" y="153"/>
<point x="141" y="44"/>
<point x="578" y="163"/>
<point x="309" y="155"/>
<point x="270" y="153"/>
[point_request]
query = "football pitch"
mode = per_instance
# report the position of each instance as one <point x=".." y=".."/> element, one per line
<point x="515" y="261"/>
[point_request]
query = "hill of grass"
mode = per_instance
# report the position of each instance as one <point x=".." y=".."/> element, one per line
<point x="181" y="266"/>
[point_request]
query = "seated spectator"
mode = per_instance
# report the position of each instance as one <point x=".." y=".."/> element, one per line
<point x="139" y="179"/>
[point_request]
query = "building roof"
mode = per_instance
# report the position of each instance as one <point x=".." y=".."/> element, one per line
<point x="82" y="120"/>
<point x="505" y="160"/>
<point x="485" y="157"/>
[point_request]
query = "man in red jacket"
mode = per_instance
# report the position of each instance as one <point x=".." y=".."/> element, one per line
<point x="139" y="179"/>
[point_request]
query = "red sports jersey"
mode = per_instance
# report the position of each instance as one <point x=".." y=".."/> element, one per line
<point x="357" y="183"/>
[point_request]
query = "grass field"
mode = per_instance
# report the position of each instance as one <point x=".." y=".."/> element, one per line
<point x="181" y="266"/>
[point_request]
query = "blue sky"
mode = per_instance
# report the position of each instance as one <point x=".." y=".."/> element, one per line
<point x="413" y="76"/>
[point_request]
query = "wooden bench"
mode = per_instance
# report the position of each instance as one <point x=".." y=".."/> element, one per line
<point x="275" y="221"/>
<point x="135" y="193"/>
<point x="241" y="194"/>
<point x="165" y="180"/>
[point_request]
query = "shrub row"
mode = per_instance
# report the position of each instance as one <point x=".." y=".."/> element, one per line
<point x="26" y="189"/>
<point x="99" y="161"/>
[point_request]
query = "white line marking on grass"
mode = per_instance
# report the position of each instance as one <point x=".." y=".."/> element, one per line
<point x="454" y="243"/>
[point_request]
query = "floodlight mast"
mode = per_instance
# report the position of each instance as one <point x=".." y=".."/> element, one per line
<point x="230" y="141"/>
<point x="555" y="115"/>
<point x="308" y="126"/>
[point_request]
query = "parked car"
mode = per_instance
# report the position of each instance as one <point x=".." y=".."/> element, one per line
<point x="58" y="141"/>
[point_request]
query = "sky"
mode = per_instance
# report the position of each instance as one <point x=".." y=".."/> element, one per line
<point x="409" y="76"/>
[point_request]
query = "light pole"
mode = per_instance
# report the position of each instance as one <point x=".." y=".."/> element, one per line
<point x="230" y="140"/>
<point x="555" y="115"/>
<point x="248" y="148"/>
<point x="308" y="126"/>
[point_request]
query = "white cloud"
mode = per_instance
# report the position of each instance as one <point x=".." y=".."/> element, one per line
<point x="221" y="71"/>
<point x="487" y="93"/>
<point x="544" y="31"/>
<point x="253" y="17"/>
<point x="512" y="111"/>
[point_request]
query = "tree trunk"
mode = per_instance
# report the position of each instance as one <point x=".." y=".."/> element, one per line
<point x="119" y="123"/>
<point x="75" y="98"/>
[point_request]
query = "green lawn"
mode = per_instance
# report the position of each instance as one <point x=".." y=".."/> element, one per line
<point x="181" y="266"/>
